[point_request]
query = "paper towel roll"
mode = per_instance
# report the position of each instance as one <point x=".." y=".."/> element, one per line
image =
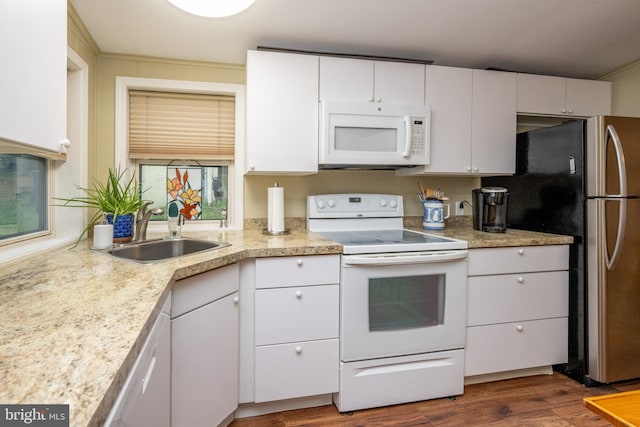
<point x="102" y="236"/>
<point x="275" y="207"/>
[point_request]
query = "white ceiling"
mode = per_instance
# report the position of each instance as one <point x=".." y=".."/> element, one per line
<point x="573" y="38"/>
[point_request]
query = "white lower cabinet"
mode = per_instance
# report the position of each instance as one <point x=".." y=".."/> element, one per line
<point x="145" y="397"/>
<point x="517" y="308"/>
<point x="296" y="323"/>
<point x="204" y="335"/>
<point x="299" y="369"/>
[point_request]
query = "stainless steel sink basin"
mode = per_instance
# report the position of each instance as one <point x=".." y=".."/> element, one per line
<point x="158" y="250"/>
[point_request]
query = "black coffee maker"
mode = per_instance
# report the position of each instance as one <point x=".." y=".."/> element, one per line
<point x="490" y="209"/>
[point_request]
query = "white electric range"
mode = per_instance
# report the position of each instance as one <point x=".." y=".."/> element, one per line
<point x="402" y="302"/>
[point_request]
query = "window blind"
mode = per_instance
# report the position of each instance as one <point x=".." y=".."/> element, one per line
<point x="166" y="125"/>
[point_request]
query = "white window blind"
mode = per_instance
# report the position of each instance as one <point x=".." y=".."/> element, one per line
<point x="166" y="125"/>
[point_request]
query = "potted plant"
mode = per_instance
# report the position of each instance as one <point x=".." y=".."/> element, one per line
<point x="116" y="198"/>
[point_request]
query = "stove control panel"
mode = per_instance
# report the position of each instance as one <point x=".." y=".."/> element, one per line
<point x="354" y="206"/>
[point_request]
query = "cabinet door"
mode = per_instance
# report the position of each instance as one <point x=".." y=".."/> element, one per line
<point x="288" y="371"/>
<point x="345" y="79"/>
<point x="493" y="130"/>
<point x="204" y="364"/>
<point x="282" y="113"/>
<point x="399" y="83"/>
<point x="518" y="345"/>
<point x="588" y="97"/>
<point x="34" y="72"/>
<point x="448" y="93"/>
<point x="296" y="314"/>
<point x="517" y="297"/>
<point x="541" y="94"/>
<point x="279" y="272"/>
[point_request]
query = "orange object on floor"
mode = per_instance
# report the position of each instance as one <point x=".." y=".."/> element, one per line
<point x="620" y="409"/>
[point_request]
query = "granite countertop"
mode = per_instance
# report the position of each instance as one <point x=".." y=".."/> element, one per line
<point x="72" y="322"/>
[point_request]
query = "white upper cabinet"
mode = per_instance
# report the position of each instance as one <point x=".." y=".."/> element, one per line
<point x="33" y="105"/>
<point x="473" y="122"/>
<point x="550" y="95"/>
<point x="493" y="125"/>
<point x="282" y="113"/>
<point x="356" y="80"/>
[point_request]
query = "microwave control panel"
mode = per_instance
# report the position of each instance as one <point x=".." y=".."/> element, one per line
<point x="418" y="136"/>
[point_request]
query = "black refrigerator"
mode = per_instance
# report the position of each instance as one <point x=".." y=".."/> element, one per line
<point x="582" y="178"/>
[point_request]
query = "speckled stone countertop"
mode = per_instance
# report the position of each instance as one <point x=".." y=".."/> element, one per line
<point x="72" y="322"/>
<point x="462" y="229"/>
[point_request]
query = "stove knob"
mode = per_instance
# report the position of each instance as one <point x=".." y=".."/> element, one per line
<point x="393" y="203"/>
<point x="331" y="203"/>
<point x="383" y="202"/>
<point x="320" y="204"/>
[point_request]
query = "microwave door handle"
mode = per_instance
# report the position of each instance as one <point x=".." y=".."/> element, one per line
<point x="407" y="136"/>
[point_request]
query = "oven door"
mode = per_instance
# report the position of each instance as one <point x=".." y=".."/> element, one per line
<point x="402" y="304"/>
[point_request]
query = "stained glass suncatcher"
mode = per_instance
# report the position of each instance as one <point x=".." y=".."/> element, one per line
<point x="184" y="185"/>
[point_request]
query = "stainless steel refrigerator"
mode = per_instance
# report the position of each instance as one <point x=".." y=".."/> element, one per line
<point x="582" y="178"/>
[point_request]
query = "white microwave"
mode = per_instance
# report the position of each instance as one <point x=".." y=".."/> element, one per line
<point x="373" y="135"/>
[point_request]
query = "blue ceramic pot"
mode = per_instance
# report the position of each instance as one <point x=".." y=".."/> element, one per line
<point x="122" y="227"/>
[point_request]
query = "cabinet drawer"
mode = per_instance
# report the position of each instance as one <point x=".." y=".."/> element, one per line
<point x="518" y="259"/>
<point x="280" y="272"/>
<point x="517" y="297"/>
<point x="196" y="291"/>
<point x="296" y="314"/>
<point x="518" y="345"/>
<point x="296" y="370"/>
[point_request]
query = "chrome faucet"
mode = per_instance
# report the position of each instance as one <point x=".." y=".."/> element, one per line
<point x="142" y="220"/>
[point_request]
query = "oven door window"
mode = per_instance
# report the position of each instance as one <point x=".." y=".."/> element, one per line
<point x="400" y="303"/>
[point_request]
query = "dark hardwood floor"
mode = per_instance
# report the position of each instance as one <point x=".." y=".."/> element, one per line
<point x="542" y="400"/>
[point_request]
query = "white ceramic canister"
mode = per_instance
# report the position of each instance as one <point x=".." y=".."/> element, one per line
<point x="434" y="214"/>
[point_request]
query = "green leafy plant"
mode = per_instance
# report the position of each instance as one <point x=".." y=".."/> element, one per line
<point x="116" y="196"/>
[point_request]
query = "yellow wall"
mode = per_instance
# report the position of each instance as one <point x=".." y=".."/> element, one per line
<point x="626" y="90"/>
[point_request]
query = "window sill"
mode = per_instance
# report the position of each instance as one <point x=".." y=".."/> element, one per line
<point x="19" y="251"/>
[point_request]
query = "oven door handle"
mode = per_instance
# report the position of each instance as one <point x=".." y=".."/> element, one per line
<point x="404" y="258"/>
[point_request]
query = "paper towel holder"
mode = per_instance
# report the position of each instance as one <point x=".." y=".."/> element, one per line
<point x="268" y="232"/>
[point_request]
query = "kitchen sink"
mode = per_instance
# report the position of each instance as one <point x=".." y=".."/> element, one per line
<point x="158" y="250"/>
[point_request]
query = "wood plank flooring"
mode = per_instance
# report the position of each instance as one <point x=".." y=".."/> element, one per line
<point x="542" y="400"/>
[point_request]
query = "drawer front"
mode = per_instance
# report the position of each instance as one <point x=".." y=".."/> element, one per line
<point x="517" y="297"/>
<point x="518" y="259"/>
<point x="302" y="369"/>
<point x="305" y="313"/>
<point x="196" y="291"/>
<point x="280" y="272"/>
<point x="518" y="345"/>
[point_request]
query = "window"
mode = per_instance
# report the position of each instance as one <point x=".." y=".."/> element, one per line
<point x="184" y="126"/>
<point x="180" y="137"/>
<point x="23" y="195"/>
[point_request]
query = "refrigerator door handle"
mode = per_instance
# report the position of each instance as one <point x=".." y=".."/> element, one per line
<point x="622" y="225"/>
<point x="622" y="169"/>
<point x="622" y="213"/>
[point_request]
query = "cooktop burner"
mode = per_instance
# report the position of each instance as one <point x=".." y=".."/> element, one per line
<point x="370" y="223"/>
<point x="380" y="241"/>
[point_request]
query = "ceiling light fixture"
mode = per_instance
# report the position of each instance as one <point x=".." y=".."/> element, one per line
<point x="212" y="8"/>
